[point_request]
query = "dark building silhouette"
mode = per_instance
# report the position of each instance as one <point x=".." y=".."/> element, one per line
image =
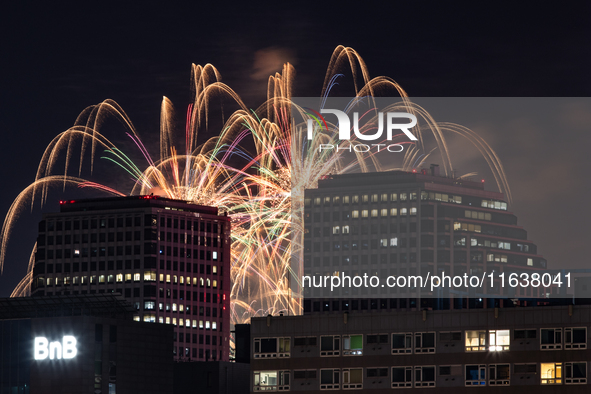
<point x="169" y="258"/>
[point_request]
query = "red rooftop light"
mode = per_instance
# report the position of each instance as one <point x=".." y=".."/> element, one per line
<point x="482" y="181"/>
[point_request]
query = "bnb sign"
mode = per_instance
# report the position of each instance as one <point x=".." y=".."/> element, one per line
<point x="55" y="350"/>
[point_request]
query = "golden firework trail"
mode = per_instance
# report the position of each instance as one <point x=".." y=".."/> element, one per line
<point x="256" y="170"/>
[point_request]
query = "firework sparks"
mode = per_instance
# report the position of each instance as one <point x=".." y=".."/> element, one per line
<point x="257" y="189"/>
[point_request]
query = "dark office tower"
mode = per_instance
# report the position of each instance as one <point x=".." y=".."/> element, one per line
<point x="410" y="223"/>
<point x="169" y="258"/>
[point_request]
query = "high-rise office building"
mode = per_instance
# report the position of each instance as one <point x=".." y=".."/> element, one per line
<point x="411" y="223"/>
<point x="169" y="258"/>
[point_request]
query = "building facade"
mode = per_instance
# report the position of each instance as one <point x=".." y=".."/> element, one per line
<point x="508" y="350"/>
<point x="81" y="344"/>
<point x="411" y="223"/>
<point x="169" y="258"/>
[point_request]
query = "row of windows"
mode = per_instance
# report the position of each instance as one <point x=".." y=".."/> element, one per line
<point x="390" y="197"/>
<point x="136" y="221"/>
<point x="424" y="342"/>
<point x="479" y="375"/>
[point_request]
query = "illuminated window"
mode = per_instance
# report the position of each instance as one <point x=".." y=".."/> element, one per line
<point x="476" y="340"/>
<point x="168" y="320"/>
<point x="336" y="199"/>
<point x="384" y="212"/>
<point x="345" y="229"/>
<point x="149" y="276"/>
<point x="475" y="375"/>
<point x="149" y="305"/>
<point x="403" y="196"/>
<point x="345" y="199"/>
<point x="271" y="380"/>
<point x="83" y="281"/>
<point x="182" y="279"/>
<point x="181" y="322"/>
<point x="374" y="213"/>
<point x="394" y="241"/>
<point x="355" y="199"/>
<point x="403" y="211"/>
<point x="214" y="325"/>
<point x="402" y="343"/>
<point x="92" y="279"/>
<point x="317" y="201"/>
<point x="393" y="212"/>
<point x="110" y="279"/>
<point x="174" y="307"/>
<point x="551" y="373"/>
<point x="161" y="319"/>
<point x="215" y="284"/>
<point x="167" y="278"/>
<point x="119" y="278"/>
<point x="336" y="230"/>
<point x="413" y="211"/>
<point x="364" y="213"/>
<point x="394" y="197"/>
<point x="365" y="198"/>
<point x="200" y="323"/>
<point x="174" y="321"/>
<point x="194" y="323"/>
<point x="352" y="345"/>
<point x="384" y="242"/>
<point x="207" y="325"/>
<point x="214" y="255"/>
<point x="174" y="279"/>
<point x="75" y="280"/>
<point x="355" y="214"/>
<point x="214" y="269"/>
<point x="401" y="377"/>
<point x="136" y="318"/>
<point x="499" y="340"/>
<point x="530" y="262"/>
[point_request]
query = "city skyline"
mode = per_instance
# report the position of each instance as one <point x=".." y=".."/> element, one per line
<point x="69" y="89"/>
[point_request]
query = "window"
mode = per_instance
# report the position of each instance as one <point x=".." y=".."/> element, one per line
<point x="352" y="345"/>
<point x="575" y="373"/>
<point x="498" y="374"/>
<point x="353" y="378"/>
<point x="402" y="343"/>
<point x="393" y="211"/>
<point x="374" y="213"/>
<point x="271" y="380"/>
<point x="364" y="213"/>
<point x="498" y="340"/>
<point x="377" y="372"/>
<point x="475" y="375"/>
<point x="575" y="338"/>
<point x="330" y="345"/>
<point x="401" y="377"/>
<point x="377" y="339"/>
<point x="425" y="342"/>
<point x="306" y="374"/>
<point x="305" y="341"/>
<point x="266" y="347"/>
<point x="329" y="379"/>
<point x="475" y="340"/>
<point x="525" y="368"/>
<point x="550" y="338"/>
<point x="445" y="336"/>
<point x="394" y="241"/>
<point x="524" y="334"/>
<point x="355" y="214"/>
<point x="551" y="373"/>
<point x="384" y="212"/>
<point x="336" y="230"/>
<point x="425" y="376"/>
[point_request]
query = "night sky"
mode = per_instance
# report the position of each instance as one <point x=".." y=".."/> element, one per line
<point x="57" y="60"/>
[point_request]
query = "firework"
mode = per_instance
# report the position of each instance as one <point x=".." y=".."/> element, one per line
<point x="261" y="188"/>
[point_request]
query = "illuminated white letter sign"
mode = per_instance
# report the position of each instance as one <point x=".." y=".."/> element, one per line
<point x="55" y="350"/>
